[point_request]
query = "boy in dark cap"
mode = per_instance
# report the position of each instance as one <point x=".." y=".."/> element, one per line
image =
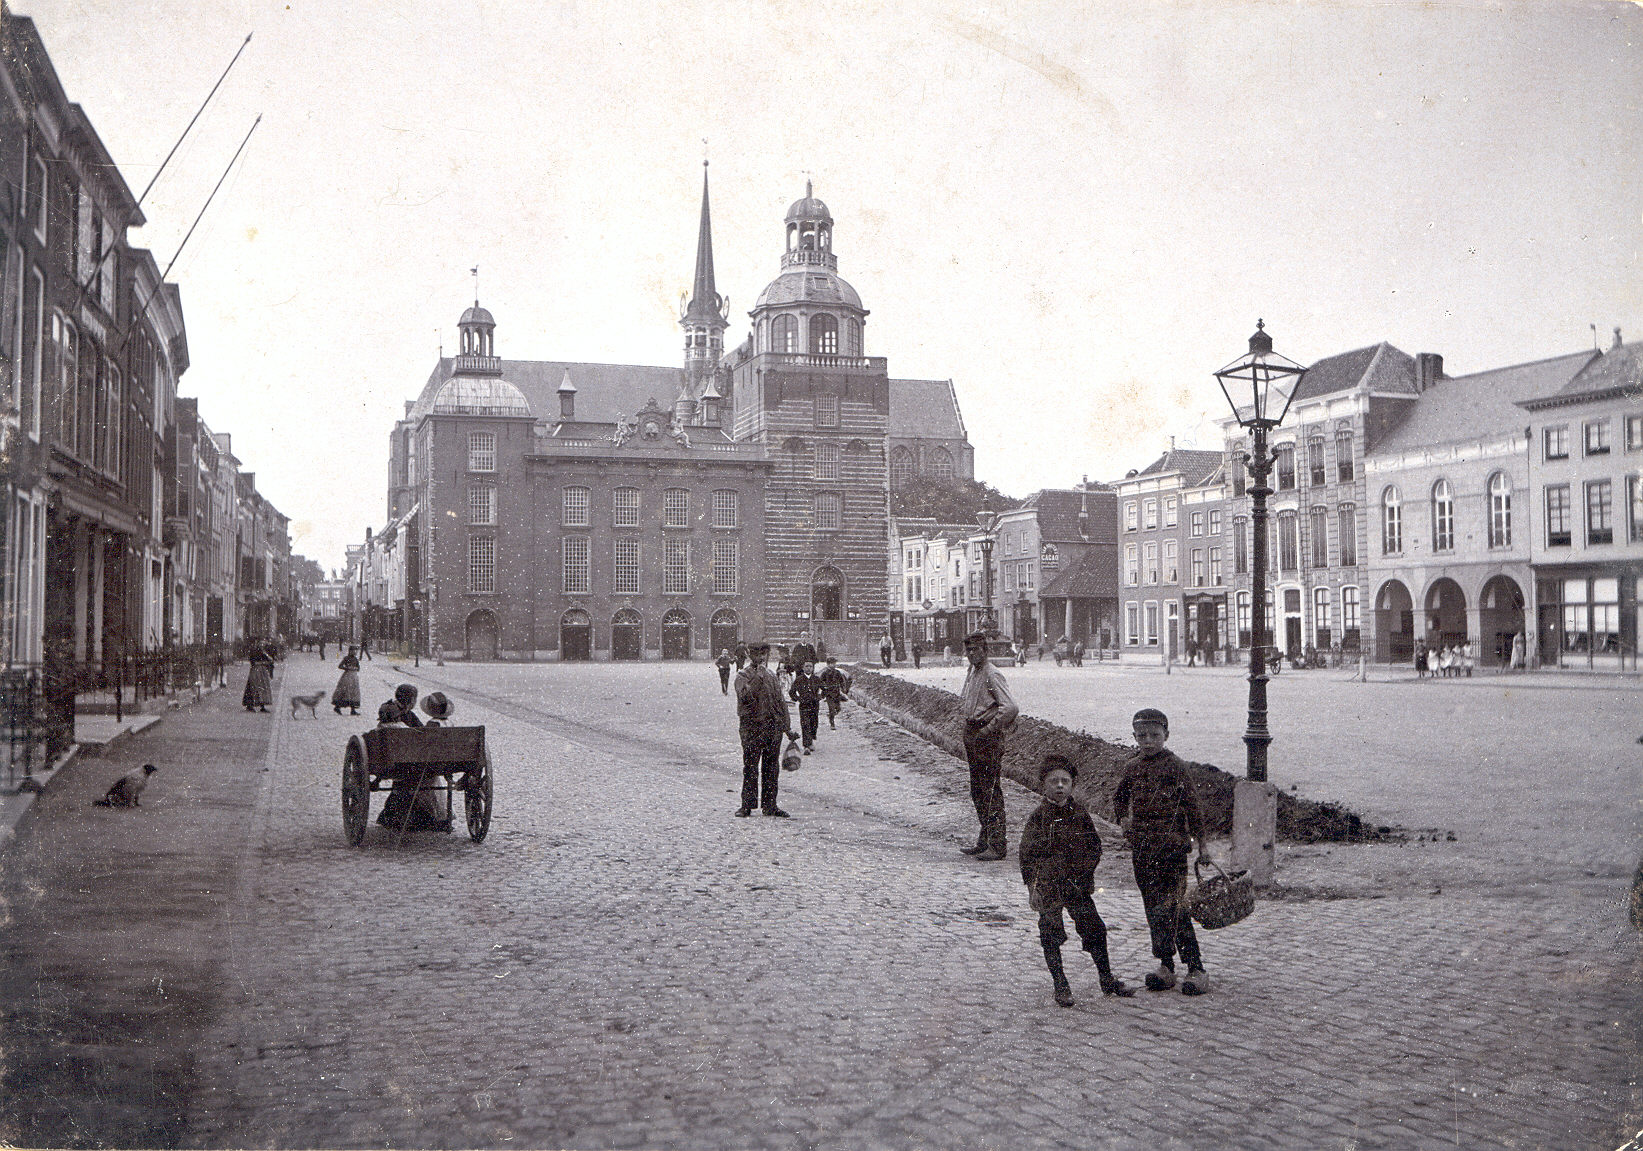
<point x="1059" y="851"/>
<point x="1155" y="805"/>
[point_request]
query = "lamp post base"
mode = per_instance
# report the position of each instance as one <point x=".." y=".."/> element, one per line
<point x="1254" y="828"/>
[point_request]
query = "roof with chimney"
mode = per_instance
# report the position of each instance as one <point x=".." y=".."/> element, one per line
<point x="1092" y="575"/>
<point x="1480" y="404"/>
<point x="1616" y="372"/>
<point x="1195" y="466"/>
<point x="1057" y="511"/>
<point x="1378" y="368"/>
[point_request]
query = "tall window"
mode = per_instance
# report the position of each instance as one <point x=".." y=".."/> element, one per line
<point x="1131" y="519"/>
<point x="1172" y="566"/>
<point x="575" y="577"/>
<point x="1600" y="512"/>
<point x="1132" y="624"/>
<point x="1288" y="542"/>
<point x="1316" y="473"/>
<point x="1214" y="522"/>
<point x="901" y="467"/>
<point x="1349" y="617"/>
<point x="624" y="508"/>
<point x="1343" y="455"/>
<point x="1634" y="433"/>
<point x="725" y="557"/>
<point x="1149" y="514"/>
<point x="827" y="410"/>
<point x="481" y="565"/>
<point x="1559" y="534"/>
<point x="675" y="567"/>
<point x="574" y="509"/>
<point x="1634" y="502"/>
<point x="1242" y="612"/>
<point x="1149" y="553"/>
<point x="941" y="464"/>
<point x="1150" y="617"/>
<point x="1556" y="440"/>
<point x="1197" y="567"/>
<point x="482" y="505"/>
<point x="1169" y="511"/>
<point x="1320" y="618"/>
<point x="626" y="567"/>
<point x="784" y="334"/>
<point x="1238" y="465"/>
<point x="1443" y="517"/>
<point x="33" y="349"/>
<point x="1597" y="437"/>
<point x="1132" y="566"/>
<point x="1348" y="532"/>
<point x="824" y="335"/>
<point x="1214" y="567"/>
<point x="1391" y="522"/>
<point x="1240" y="545"/>
<point x="66" y="346"/>
<point x="481" y="451"/>
<point x="829" y="510"/>
<point x="1196" y="524"/>
<point x="1500" y="511"/>
<point x="727" y="508"/>
<point x="1285" y="456"/>
<point x="1318" y="529"/>
<point x="676" y="508"/>
<point x="827" y="460"/>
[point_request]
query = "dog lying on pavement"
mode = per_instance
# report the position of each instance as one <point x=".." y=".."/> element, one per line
<point x="308" y="701"/>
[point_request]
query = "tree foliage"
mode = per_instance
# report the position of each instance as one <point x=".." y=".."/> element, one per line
<point x="954" y="501"/>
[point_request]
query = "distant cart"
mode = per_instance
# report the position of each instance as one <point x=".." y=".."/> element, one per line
<point x="443" y="759"/>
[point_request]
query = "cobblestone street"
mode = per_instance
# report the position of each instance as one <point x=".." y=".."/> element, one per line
<point x="624" y="964"/>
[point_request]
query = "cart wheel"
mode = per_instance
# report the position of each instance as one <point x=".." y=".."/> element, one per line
<point x="356" y="793"/>
<point x="476" y="800"/>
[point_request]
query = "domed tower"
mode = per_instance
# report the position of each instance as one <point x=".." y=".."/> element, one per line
<point x="476" y="344"/>
<point x="804" y="388"/>
<point x="704" y="320"/>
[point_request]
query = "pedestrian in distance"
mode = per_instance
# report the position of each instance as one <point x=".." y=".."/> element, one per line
<point x="884" y="649"/>
<point x="724" y="663"/>
<point x="741" y="655"/>
<point x="1420" y="661"/>
<point x="807" y="693"/>
<point x="1155" y="806"/>
<point x="322" y="647"/>
<point x="835" y="686"/>
<point x="762" y="716"/>
<point x="346" y="693"/>
<point x="918" y="653"/>
<point x="989" y="711"/>
<point x="1059" y="851"/>
<point x="1078" y="653"/>
<point x="259" y="680"/>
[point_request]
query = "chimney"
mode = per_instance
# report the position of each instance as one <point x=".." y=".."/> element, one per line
<point x="1084" y="513"/>
<point x="710" y="405"/>
<point x="1428" y="370"/>
<point x="567" y="398"/>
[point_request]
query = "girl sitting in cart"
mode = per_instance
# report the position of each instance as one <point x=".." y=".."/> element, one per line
<point x="411" y="807"/>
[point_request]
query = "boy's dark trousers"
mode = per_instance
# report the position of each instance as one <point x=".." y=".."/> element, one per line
<point x="724" y="680"/>
<point x="985" y="754"/>
<point x="1161" y="874"/>
<point x="761" y="766"/>
<point x="833" y="705"/>
<point x="809" y="716"/>
<point x="1052" y="931"/>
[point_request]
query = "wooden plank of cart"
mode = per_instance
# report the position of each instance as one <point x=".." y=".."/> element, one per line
<point x="448" y="759"/>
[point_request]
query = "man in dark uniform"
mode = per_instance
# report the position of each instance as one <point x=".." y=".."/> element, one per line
<point x="803" y="652"/>
<point x="807" y="693"/>
<point x="761" y="711"/>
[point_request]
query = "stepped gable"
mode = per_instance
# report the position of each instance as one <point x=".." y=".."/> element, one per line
<point x="1481" y="404"/>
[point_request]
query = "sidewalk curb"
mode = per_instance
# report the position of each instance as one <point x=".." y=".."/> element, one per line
<point x="15" y="804"/>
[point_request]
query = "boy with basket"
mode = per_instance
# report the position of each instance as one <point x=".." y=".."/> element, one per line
<point x="1155" y="806"/>
<point x="1059" y="851"/>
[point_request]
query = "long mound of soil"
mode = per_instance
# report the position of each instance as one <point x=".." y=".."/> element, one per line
<point x="934" y="714"/>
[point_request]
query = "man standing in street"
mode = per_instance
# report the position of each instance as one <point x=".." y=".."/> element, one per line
<point x="803" y="652"/>
<point x="762" y="713"/>
<point x="884" y="649"/>
<point x="988" y="711"/>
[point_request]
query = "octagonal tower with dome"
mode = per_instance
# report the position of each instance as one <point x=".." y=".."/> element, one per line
<point x="803" y="388"/>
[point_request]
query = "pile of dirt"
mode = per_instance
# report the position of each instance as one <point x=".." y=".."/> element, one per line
<point x="933" y="714"/>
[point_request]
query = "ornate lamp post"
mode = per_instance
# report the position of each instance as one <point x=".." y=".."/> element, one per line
<point x="1254" y="387"/>
<point x="987" y="520"/>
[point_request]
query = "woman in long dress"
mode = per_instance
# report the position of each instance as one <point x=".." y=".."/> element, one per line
<point x="346" y="693"/>
<point x="259" y="682"/>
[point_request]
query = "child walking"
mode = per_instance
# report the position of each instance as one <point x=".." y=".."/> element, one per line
<point x="1059" y="851"/>
<point x="1155" y="806"/>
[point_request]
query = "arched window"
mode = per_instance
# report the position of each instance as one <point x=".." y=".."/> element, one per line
<point x="852" y="337"/>
<point x="1284" y="464"/>
<point x="824" y="335"/>
<point x="1316" y="475"/>
<point x="901" y="467"/>
<point x="941" y="464"/>
<point x="827" y="594"/>
<point x="1500" y="511"/>
<point x="1391" y="521"/>
<point x="1443" y="517"/>
<point x="784" y="334"/>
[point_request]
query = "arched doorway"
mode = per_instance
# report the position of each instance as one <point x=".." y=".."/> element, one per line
<point x="723" y="630"/>
<point x="483" y="635"/>
<point x="1445" y="613"/>
<point x="676" y="634"/>
<point x="1501" y="618"/>
<point x="1394" y="623"/>
<point x="827" y="594"/>
<point x="575" y="636"/>
<point x="627" y="630"/>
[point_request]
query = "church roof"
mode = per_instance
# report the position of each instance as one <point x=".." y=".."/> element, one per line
<point x="925" y="409"/>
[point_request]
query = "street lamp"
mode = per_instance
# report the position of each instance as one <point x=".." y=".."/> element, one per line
<point x="1254" y="385"/>
<point x="987" y="520"/>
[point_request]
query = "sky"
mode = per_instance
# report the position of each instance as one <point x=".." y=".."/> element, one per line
<point x="1075" y="211"/>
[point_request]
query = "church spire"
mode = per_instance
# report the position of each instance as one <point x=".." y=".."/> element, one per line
<point x="706" y="306"/>
<point x="703" y="320"/>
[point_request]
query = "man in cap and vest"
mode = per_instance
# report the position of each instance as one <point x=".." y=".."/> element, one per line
<point x="761" y="710"/>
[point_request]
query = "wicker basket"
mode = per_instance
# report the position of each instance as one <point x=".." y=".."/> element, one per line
<point x="1222" y="899"/>
<point x="791" y="758"/>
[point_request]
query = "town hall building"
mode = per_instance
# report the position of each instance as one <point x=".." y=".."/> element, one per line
<point x="573" y="511"/>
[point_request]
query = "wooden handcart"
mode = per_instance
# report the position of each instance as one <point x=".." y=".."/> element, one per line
<point x="442" y="759"/>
